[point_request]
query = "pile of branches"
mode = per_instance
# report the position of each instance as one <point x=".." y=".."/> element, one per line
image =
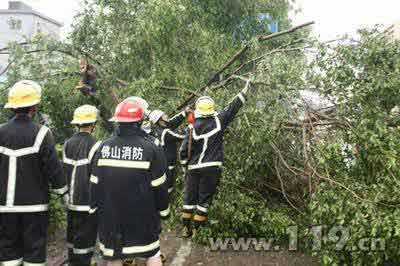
<point x="295" y="159"/>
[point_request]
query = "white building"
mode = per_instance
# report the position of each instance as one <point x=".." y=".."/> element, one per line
<point x="20" y="23"/>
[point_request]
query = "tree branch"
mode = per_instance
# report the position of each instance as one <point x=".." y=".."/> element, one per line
<point x="7" y="48"/>
<point x="237" y="55"/>
<point x="278" y="174"/>
<point x="180" y="89"/>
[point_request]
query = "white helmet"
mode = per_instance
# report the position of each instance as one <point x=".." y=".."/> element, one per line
<point x="155" y="115"/>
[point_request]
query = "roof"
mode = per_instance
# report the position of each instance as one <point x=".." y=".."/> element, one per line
<point x="31" y="12"/>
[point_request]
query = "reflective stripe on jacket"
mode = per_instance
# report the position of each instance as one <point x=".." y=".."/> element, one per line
<point x="78" y="153"/>
<point x="28" y="165"/>
<point x="129" y="192"/>
<point x="168" y="138"/>
<point x="208" y="137"/>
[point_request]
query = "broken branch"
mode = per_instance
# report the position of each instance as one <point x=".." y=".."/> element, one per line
<point x="237" y="55"/>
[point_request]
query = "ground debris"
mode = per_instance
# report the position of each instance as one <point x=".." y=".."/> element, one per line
<point x="181" y="252"/>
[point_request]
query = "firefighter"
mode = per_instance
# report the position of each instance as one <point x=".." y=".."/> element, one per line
<point x="28" y="165"/>
<point x="146" y="127"/>
<point x="205" y="159"/>
<point x="77" y="156"/>
<point x="163" y="129"/>
<point x="129" y="192"/>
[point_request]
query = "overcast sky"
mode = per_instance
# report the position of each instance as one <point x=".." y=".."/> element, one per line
<point x="333" y="17"/>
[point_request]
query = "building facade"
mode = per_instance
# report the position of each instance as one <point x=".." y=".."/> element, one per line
<point x="20" y="23"/>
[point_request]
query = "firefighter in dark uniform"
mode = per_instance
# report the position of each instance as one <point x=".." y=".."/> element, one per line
<point x="129" y="192"/>
<point x="77" y="156"/>
<point x="28" y="165"/>
<point x="205" y="161"/>
<point x="146" y="127"/>
<point x="163" y="129"/>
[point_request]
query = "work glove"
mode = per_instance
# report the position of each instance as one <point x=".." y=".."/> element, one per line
<point x="66" y="199"/>
<point x="146" y="127"/>
<point x="188" y="110"/>
<point x="246" y="88"/>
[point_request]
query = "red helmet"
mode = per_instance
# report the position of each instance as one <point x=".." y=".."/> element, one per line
<point x="128" y="111"/>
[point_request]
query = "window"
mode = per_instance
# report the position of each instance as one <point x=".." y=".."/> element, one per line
<point x="271" y="24"/>
<point x="38" y="28"/>
<point x="15" y="24"/>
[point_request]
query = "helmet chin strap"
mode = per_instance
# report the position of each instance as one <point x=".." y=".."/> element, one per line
<point x="93" y="128"/>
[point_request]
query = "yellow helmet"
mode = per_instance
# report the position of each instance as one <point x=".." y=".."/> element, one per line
<point x="205" y="106"/>
<point x="24" y="93"/>
<point x="85" y="114"/>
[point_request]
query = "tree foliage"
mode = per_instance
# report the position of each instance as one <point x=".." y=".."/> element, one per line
<point x="363" y="157"/>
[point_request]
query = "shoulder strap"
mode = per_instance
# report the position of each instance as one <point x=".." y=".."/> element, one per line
<point x="93" y="150"/>
<point x="40" y="137"/>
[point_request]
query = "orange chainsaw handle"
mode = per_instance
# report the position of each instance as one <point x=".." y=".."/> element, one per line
<point x="190" y="120"/>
